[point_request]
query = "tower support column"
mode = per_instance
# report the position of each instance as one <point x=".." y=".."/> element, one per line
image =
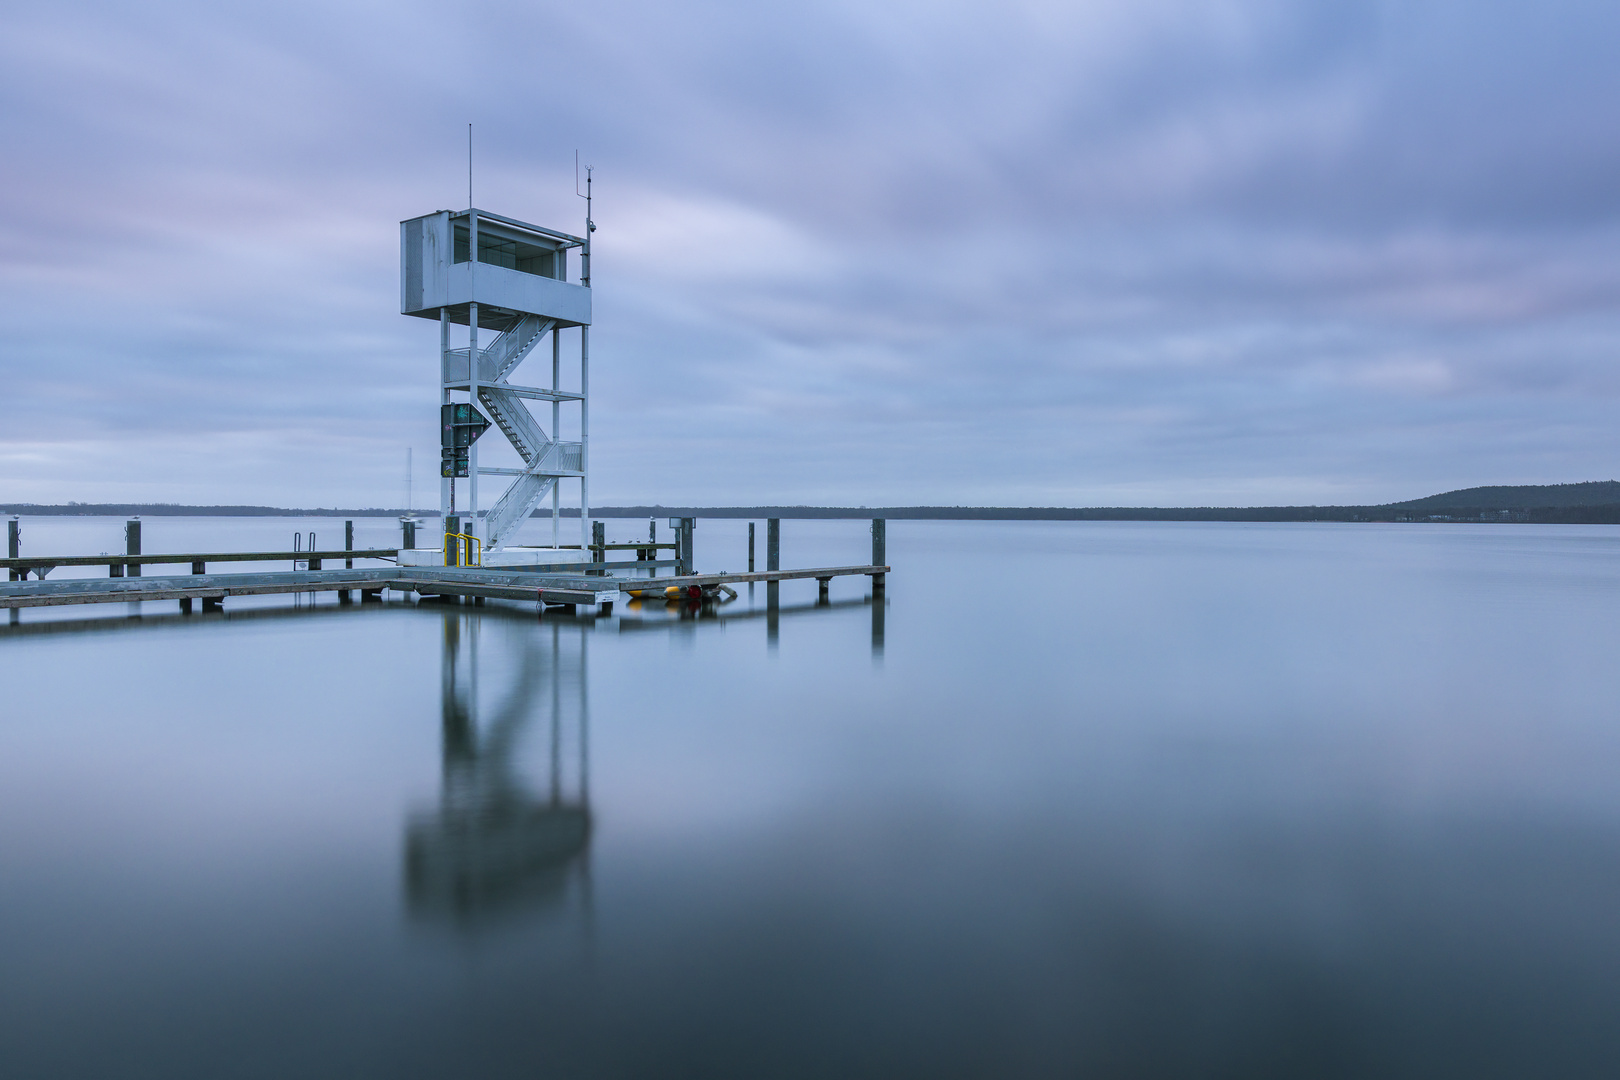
<point x="556" y="426"/>
<point x="444" y="399"/>
<point x="584" y="434"/>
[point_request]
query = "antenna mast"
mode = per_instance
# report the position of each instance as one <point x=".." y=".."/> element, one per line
<point x="590" y="226"/>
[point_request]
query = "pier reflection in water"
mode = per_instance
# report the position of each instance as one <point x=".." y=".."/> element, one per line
<point x="499" y="841"/>
<point x="495" y="843"/>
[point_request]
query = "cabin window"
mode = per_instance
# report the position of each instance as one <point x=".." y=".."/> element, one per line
<point x="498" y="250"/>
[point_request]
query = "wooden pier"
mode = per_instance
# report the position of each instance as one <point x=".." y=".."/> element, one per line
<point x="598" y="582"/>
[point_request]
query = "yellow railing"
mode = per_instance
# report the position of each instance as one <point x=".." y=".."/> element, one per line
<point x="467" y="550"/>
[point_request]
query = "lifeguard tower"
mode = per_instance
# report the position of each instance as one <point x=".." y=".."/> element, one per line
<point x="506" y="277"/>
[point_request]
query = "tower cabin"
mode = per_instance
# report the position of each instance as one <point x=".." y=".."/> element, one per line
<point x="522" y="269"/>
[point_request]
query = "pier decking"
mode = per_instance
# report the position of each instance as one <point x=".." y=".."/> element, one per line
<point x="575" y="588"/>
<point x="129" y="565"/>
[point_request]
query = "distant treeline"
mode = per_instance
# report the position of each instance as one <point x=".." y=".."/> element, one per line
<point x="179" y="510"/>
<point x="1588" y="515"/>
<point x="1592" y="503"/>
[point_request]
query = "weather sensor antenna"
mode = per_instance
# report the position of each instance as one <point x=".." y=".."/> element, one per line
<point x="590" y="226"/>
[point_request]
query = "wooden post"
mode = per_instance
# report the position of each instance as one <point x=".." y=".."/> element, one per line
<point x="132" y="544"/>
<point x="773" y="561"/>
<point x="750" y="547"/>
<point x="345" y="596"/>
<point x="880" y="555"/>
<point x="408" y="525"/>
<point x="684" y="528"/>
<point x="14" y="544"/>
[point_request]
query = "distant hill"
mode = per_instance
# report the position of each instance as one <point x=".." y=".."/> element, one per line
<point x="1522" y="497"/>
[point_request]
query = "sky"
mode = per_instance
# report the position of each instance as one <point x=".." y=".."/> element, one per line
<point x="1146" y="252"/>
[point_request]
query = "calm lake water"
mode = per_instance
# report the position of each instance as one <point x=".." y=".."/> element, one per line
<point x="1101" y="799"/>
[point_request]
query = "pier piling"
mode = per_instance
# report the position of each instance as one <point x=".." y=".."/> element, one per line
<point x="14" y="545"/>
<point x="346" y="596"/>
<point x="684" y="528"/>
<point x="880" y="528"/>
<point x="452" y="527"/>
<point x="132" y="545"/>
<point x="773" y="559"/>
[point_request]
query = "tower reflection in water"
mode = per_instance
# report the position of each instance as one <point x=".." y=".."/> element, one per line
<point x="498" y="844"/>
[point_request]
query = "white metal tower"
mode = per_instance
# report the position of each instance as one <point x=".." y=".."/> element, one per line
<point x="518" y="287"/>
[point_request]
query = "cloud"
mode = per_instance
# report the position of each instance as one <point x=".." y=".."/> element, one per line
<point x="1025" y="252"/>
